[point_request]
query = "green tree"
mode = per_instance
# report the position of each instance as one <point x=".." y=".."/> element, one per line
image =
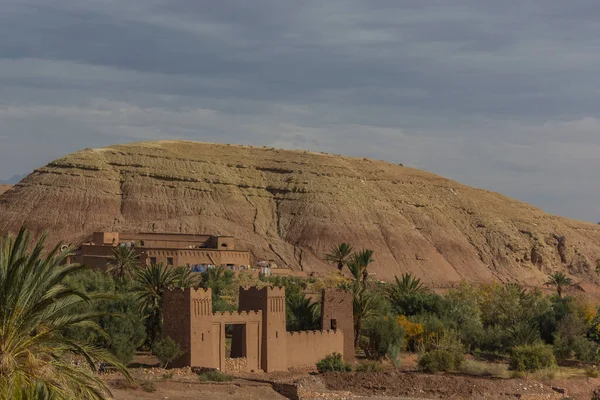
<point x="302" y="314"/>
<point x="123" y="262"/>
<point x="339" y="255"/>
<point x="409" y="296"/>
<point x="123" y="323"/>
<point x="36" y="307"/>
<point x="384" y="337"/>
<point x="166" y="350"/>
<point x="560" y="280"/>
<point x="150" y="287"/>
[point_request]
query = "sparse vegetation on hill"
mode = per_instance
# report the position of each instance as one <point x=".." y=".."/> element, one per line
<point x="293" y="206"/>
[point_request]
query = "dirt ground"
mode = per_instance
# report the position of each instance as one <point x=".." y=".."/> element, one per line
<point x="381" y="385"/>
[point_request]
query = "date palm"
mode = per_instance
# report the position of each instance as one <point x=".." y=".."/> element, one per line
<point x="36" y="307"/>
<point x="560" y="280"/>
<point x="150" y="288"/>
<point x="123" y="262"/>
<point x="339" y="255"/>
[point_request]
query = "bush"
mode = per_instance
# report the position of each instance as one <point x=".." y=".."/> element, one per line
<point x="385" y="336"/>
<point x="148" y="386"/>
<point x="166" y="350"/>
<point x="441" y="360"/>
<point x="592" y="372"/>
<point x="333" y="363"/>
<point x="369" y="366"/>
<point x="480" y="368"/>
<point x="214" y="376"/>
<point x="531" y="358"/>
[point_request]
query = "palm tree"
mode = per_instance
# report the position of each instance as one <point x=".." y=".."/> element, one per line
<point x="358" y="264"/>
<point x="339" y="255"/>
<point x="150" y="289"/>
<point x="408" y="285"/>
<point x="36" y="307"/>
<point x="123" y="262"/>
<point x="303" y="314"/>
<point x="560" y="280"/>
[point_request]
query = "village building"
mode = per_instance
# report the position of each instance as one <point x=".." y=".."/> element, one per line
<point x="259" y="340"/>
<point x="195" y="251"/>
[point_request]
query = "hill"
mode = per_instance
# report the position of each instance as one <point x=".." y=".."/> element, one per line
<point x="4" y="188"/>
<point x="292" y="206"/>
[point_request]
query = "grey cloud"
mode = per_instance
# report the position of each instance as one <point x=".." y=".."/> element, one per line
<point x="501" y="95"/>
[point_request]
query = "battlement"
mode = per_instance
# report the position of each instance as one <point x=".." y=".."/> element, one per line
<point x="197" y="291"/>
<point x="279" y="290"/>
<point x="315" y="333"/>
<point x="236" y="313"/>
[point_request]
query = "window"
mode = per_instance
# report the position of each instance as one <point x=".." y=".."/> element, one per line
<point x="223" y="244"/>
<point x="333" y="324"/>
<point x="170" y="261"/>
<point x="152" y="260"/>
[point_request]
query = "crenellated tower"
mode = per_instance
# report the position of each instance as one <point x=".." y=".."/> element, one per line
<point x="271" y="301"/>
<point x="187" y="319"/>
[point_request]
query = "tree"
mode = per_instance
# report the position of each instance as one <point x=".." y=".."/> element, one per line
<point x="123" y="324"/>
<point x="36" y="307"/>
<point x="560" y="280"/>
<point x="166" y="350"/>
<point x="339" y="255"/>
<point x="123" y="262"/>
<point x="362" y="259"/>
<point x="302" y="314"/>
<point x="151" y="283"/>
<point x="409" y="296"/>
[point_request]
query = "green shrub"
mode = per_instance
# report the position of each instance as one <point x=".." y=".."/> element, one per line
<point x="333" y="363"/>
<point x="214" y="376"/>
<point x="585" y="350"/>
<point x="481" y="368"/>
<point x="166" y="350"/>
<point x="531" y="358"/>
<point x="369" y="366"/>
<point x="592" y="372"/>
<point x="384" y="337"/>
<point x="441" y="360"/>
<point x="148" y="386"/>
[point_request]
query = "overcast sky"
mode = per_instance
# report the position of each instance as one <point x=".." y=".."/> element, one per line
<point x="503" y="95"/>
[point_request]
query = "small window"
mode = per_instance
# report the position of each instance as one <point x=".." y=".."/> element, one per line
<point x="333" y="324"/>
<point x="276" y="334"/>
<point x="142" y="243"/>
<point x="170" y="261"/>
<point x="223" y="244"/>
<point x="152" y="260"/>
<point x="203" y="337"/>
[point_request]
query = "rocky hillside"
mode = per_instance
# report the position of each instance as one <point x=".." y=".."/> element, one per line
<point x="4" y="188"/>
<point x="292" y="206"/>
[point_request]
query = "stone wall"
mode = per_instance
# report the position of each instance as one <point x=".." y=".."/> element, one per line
<point x="236" y="364"/>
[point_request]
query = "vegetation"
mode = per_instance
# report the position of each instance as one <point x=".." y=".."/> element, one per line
<point x="37" y="308"/>
<point x="441" y="361"/>
<point x="166" y="350"/>
<point x="560" y="280"/>
<point x="333" y="363"/>
<point x="530" y="358"/>
<point x="123" y="262"/>
<point x="340" y="255"/>
<point x="150" y="286"/>
<point x="302" y="314"/>
<point x="214" y="376"/>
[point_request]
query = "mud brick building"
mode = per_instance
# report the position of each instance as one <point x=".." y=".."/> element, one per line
<point x="259" y="340"/>
<point x="167" y="248"/>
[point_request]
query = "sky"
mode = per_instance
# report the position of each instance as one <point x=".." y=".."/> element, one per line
<point x="501" y="95"/>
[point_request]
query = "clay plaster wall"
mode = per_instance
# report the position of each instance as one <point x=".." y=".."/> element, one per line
<point x="306" y="348"/>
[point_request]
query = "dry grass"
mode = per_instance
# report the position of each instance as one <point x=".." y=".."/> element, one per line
<point x="482" y="368"/>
